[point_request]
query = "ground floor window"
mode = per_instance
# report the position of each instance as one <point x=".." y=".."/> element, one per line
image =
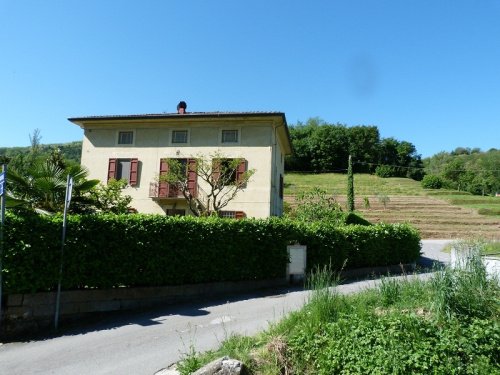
<point x="175" y="212"/>
<point x="232" y="214"/>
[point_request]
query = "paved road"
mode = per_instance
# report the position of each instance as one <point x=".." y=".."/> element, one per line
<point x="143" y="343"/>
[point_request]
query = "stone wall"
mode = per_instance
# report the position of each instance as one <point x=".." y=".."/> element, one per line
<point x="24" y="313"/>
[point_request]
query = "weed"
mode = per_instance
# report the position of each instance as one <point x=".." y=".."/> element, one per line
<point x="390" y="290"/>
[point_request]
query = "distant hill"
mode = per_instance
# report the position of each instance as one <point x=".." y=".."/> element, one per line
<point x="71" y="151"/>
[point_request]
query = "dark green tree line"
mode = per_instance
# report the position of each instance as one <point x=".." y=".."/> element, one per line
<point x="466" y="169"/>
<point x="323" y="147"/>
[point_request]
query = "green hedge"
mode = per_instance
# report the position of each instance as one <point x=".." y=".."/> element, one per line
<point x="105" y="251"/>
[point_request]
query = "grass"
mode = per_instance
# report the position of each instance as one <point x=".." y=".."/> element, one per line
<point x="485" y="247"/>
<point x="446" y="325"/>
<point x="364" y="184"/>
<point x="371" y="185"/>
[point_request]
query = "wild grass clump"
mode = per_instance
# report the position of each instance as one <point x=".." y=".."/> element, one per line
<point x="466" y="291"/>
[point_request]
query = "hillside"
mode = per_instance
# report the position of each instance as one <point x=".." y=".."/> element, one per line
<point x="434" y="216"/>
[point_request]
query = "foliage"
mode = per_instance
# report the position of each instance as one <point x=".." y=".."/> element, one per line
<point x="219" y="177"/>
<point x="384" y="171"/>
<point x="393" y="329"/>
<point x="466" y="291"/>
<point x="317" y="205"/>
<point x="467" y="170"/>
<point x="384" y="199"/>
<point x="42" y="185"/>
<point x="431" y="181"/>
<point x="323" y="147"/>
<point x="104" y="251"/>
<point x="350" y="186"/>
<point x="108" y="198"/>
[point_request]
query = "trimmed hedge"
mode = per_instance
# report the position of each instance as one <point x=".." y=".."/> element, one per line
<point x="105" y="251"/>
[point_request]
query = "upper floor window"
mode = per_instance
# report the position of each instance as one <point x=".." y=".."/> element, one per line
<point x="179" y="136"/>
<point x="230" y="136"/>
<point x="126" y="138"/>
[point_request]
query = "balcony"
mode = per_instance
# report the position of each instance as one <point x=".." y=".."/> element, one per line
<point x="164" y="190"/>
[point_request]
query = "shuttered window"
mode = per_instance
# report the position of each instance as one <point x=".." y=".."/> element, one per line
<point x="166" y="189"/>
<point x="221" y="170"/>
<point x="124" y="169"/>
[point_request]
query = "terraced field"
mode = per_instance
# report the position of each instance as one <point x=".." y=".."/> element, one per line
<point x="435" y="217"/>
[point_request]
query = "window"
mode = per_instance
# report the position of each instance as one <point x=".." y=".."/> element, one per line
<point x="124" y="169"/>
<point x="126" y="138"/>
<point x="232" y="214"/>
<point x="175" y="212"/>
<point x="185" y="167"/>
<point x="179" y="136"/>
<point x="230" y="136"/>
<point x="228" y="171"/>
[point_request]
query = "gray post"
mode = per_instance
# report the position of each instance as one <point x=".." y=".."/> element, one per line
<point x="67" y="200"/>
<point x="2" y="214"/>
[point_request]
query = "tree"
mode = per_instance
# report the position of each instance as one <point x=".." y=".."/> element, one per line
<point x="350" y="186"/>
<point x="217" y="181"/>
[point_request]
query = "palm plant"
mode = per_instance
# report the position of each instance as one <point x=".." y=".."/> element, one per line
<point x="42" y="185"/>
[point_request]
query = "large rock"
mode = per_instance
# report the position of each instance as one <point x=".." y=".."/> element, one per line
<point x="223" y="366"/>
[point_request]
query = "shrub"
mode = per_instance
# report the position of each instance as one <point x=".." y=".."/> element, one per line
<point x="106" y="251"/>
<point x="431" y="181"/>
<point x="385" y="171"/>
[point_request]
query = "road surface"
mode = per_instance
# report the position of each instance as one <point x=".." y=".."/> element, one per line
<point x="144" y="343"/>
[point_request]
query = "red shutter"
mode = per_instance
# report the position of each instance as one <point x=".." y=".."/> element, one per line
<point x="192" y="177"/>
<point x="134" y="166"/>
<point x="112" y="167"/>
<point x="163" y="185"/>
<point x="238" y="215"/>
<point x="215" y="171"/>
<point x="242" y="167"/>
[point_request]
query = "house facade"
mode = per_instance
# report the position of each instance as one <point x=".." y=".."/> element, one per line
<point x="137" y="148"/>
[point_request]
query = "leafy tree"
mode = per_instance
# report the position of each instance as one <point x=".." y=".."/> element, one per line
<point x="221" y="181"/>
<point x="364" y="142"/>
<point x="350" y="187"/>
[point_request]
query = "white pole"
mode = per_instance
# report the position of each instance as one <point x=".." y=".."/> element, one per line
<point x="2" y="214"/>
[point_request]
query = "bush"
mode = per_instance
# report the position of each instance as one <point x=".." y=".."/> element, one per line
<point x="106" y="251"/>
<point x="431" y="181"/>
<point x="385" y="171"/>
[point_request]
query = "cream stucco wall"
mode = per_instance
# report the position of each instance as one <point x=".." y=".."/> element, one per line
<point x="258" y="144"/>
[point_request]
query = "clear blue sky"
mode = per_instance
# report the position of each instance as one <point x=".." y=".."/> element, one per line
<point x="423" y="71"/>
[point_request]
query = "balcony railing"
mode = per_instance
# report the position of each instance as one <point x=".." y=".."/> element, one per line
<point x="164" y="190"/>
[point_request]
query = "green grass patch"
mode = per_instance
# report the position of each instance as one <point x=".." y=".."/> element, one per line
<point x="370" y="185"/>
<point x="446" y="325"/>
<point x="364" y="184"/>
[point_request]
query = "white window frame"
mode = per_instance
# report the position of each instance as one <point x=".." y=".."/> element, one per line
<point x="125" y="144"/>
<point x="171" y="135"/>
<point x="221" y="132"/>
